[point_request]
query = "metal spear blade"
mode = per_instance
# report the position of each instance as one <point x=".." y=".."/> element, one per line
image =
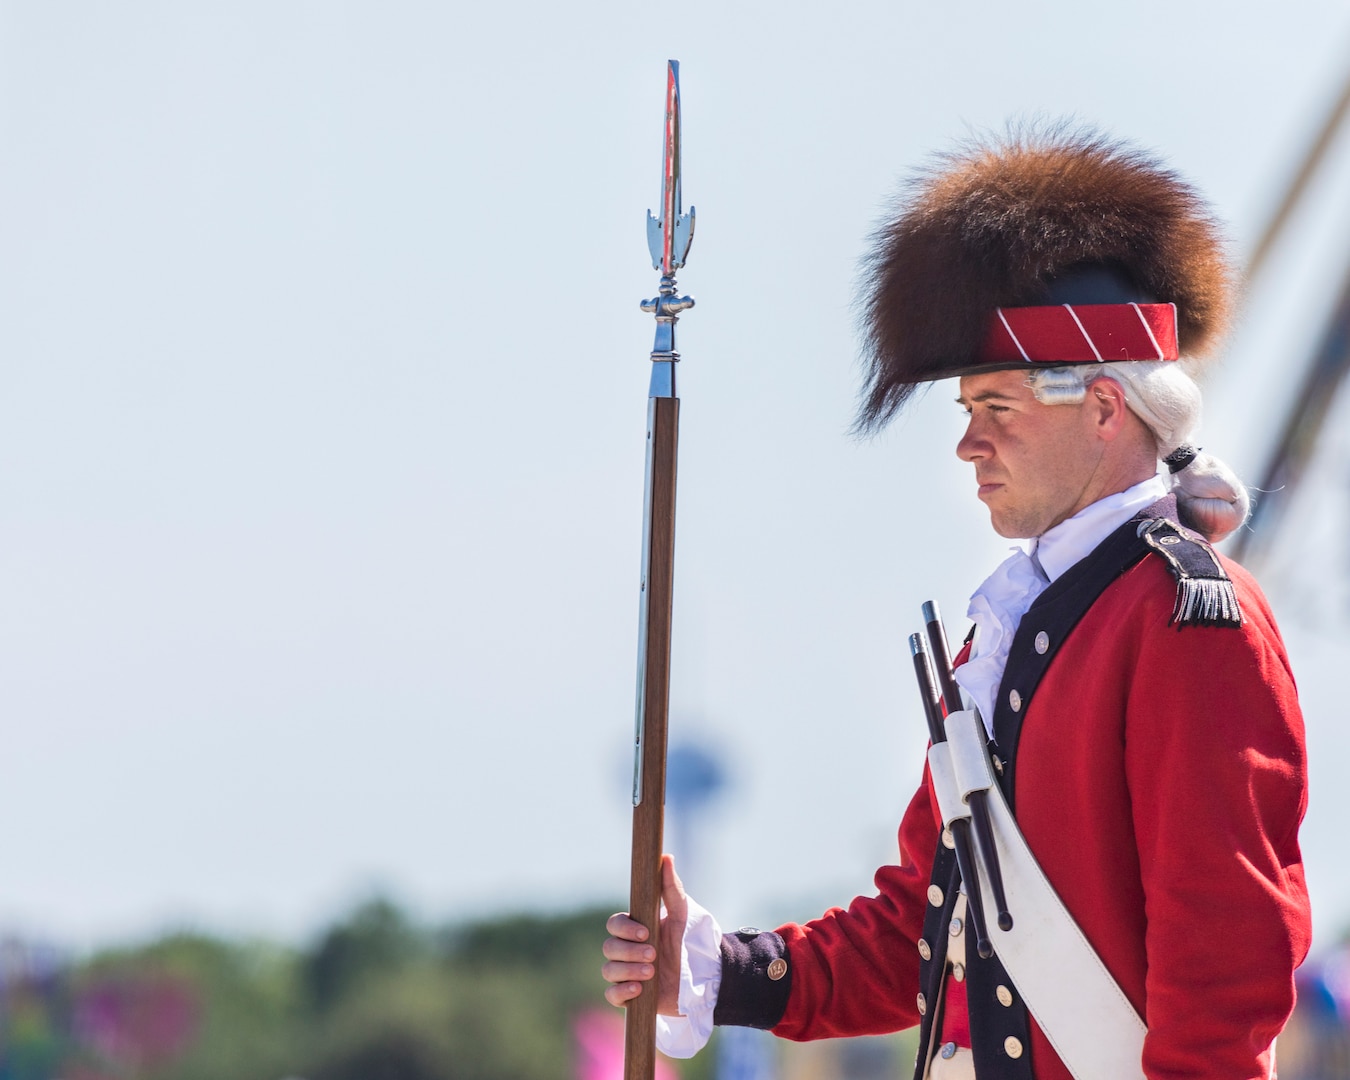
<point x="669" y="237"/>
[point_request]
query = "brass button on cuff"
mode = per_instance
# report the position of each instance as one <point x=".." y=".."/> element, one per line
<point x="1012" y="1046"/>
<point x="777" y="969"/>
<point x="935" y="896"/>
<point x="1004" y="996"/>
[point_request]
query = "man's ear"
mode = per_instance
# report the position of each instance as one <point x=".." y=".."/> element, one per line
<point x="1106" y="406"/>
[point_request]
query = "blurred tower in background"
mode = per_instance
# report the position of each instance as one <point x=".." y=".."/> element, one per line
<point x="694" y="781"/>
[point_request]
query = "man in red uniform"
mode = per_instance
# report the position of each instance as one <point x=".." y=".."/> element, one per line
<point x="1141" y="717"/>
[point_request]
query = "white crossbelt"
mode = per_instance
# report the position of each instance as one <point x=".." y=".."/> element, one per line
<point x="1084" y="1014"/>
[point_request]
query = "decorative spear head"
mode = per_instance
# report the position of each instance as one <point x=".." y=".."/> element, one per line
<point x="669" y="239"/>
<point x="669" y="236"/>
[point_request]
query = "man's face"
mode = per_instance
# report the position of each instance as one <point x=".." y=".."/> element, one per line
<point x="1036" y="464"/>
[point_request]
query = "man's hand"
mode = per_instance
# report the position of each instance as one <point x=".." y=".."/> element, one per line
<point x="629" y="959"/>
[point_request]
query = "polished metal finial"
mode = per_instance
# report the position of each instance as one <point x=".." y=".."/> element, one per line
<point x="668" y="238"/>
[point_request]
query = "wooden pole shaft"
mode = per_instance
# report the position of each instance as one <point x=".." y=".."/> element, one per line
<point x="649" y="814"/>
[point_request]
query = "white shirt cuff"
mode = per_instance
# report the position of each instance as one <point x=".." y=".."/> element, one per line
<point x="700" y="978"/>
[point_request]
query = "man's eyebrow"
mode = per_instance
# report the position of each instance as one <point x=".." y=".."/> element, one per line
<point x="988" y="395"/>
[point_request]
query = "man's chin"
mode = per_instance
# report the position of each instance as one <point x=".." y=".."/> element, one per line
<point x="1010" y="530"/>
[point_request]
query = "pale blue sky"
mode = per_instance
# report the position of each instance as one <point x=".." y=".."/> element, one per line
<point x="322" y="392"/>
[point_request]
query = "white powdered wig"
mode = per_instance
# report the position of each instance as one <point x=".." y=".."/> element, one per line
<point x="1159" y="392"/>
<point x="1210" y="497"/>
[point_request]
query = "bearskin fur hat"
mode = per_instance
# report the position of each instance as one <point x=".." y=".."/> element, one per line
<point x="1064" y="216"/>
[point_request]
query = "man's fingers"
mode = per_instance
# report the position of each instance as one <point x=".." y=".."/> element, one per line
<point x="615" y="972"/>
<point x="672" y="890"/>
<point x="631" y="952"/>
<point x="622" y="993"/>
<point x="620" y="925"/>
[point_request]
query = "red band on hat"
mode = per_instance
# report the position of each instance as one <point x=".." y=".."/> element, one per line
<point x="1081" y="334"/>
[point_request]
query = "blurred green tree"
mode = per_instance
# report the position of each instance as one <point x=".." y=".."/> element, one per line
<point x="374" y="997"/>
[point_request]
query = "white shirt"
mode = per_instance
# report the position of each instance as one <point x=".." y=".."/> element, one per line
<point x="999" y="603"/>
<point x="996" y="608"/>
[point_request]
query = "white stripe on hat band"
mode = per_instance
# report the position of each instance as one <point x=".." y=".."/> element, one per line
<point x="1014" y="336"/>
<point x="1148" y="330"/>
<point x="1091" y="344"/>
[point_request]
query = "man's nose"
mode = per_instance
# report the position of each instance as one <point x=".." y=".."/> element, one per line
<point x="971" y="446"/>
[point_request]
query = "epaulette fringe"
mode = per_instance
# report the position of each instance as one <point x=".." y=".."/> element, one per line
<point x="1205" y="593"/>
<point x="1206" y="602"/>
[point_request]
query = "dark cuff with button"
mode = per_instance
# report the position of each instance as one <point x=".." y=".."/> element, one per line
<point x="755" y="980"/>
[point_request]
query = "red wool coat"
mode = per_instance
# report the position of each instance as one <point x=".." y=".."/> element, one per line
<point x="1160" y="781"/>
